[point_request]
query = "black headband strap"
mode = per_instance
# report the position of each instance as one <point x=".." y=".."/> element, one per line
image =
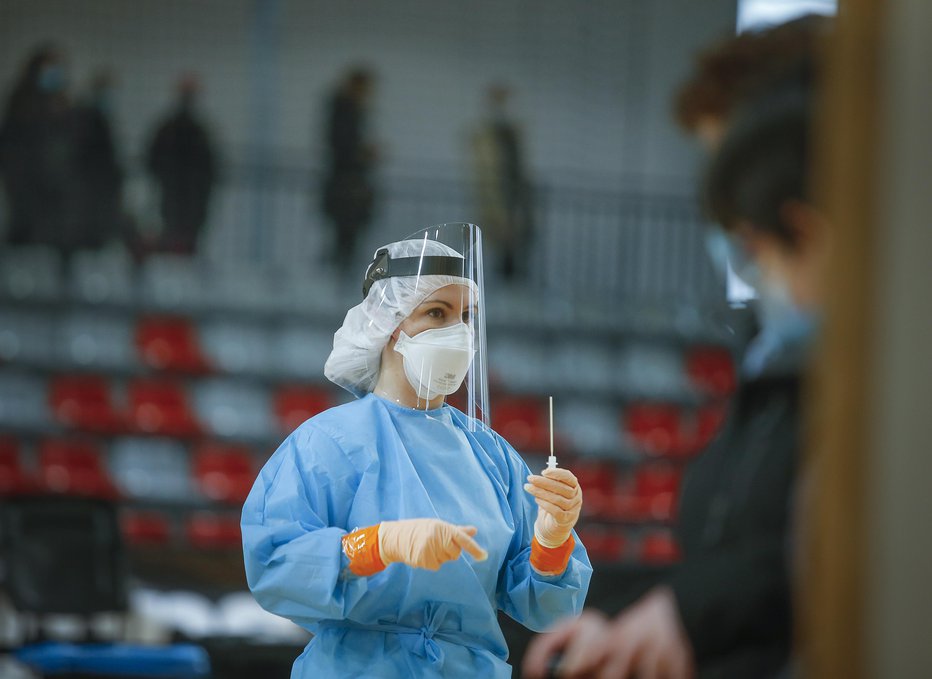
<point x="384" y="266"/>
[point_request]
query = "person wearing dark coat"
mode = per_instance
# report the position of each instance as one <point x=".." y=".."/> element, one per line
<point x="37" y="153"/>
<point x="348" y="191"/>
<point x="98" y="207"/>
<point x="181" y="159"/>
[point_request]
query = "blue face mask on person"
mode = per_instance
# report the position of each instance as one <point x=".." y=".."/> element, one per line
<point x="781" y="317"/>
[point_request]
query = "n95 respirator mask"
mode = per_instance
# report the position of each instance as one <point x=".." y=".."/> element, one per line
<point x="436" y="361"/>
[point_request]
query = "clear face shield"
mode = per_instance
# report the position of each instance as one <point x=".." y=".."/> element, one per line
<point x="442" y="341"/>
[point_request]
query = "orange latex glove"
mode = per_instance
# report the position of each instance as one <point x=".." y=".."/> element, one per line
<point x="426" y="543"/>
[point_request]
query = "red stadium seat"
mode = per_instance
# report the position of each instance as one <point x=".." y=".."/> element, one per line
<point x="73" y="467"/>
<point x="603" y="544"/>
<point x="224" y="473"/>
<point x="161" y="407"/>
<point x="212" y="531"/>
<point x="145" y="528"/>
<point x="85" y="402"/>
<point x="523" y="422"/>
<point x="294" y="405"/>
<point x="170" y="343"/>
<point x="14" y="480"/>
<point x="598" y="483"/>
<point x="659" y="548"/>
<point x="665" y="430"/>
<point x="712" y="370"/>
<point x="653" y="427"/>
<point x="651" y="496"/>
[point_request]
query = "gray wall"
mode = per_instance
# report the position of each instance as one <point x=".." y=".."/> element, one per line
<point x="899" y="615"/>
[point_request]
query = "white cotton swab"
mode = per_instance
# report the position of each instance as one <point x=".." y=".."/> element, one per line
<point x="552" y="460"/>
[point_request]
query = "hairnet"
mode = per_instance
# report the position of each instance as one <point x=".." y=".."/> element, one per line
<point x="357" y="345"/>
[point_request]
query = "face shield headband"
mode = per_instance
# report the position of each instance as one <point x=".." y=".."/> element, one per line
<point x="385" y="266"/>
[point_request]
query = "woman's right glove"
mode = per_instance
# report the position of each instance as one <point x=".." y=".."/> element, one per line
<point x="426" y="543"/>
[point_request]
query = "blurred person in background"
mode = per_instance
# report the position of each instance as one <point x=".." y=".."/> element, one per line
<point x="182" y="161"/>
<point x="502" y="185"/>
<point x="37" y="151"/>
<point x="725" y="610"/>
<point x="348" y="190"/>
<point x="99" y="208"/>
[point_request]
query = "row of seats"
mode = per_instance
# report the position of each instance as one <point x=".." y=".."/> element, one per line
<point x="162" y="470"/>
<point x="115" y="341"/>
<point x="162" y="282"/>
<point x="611" y="544"/>
<point x="236" y="410"/>
<point x="158" y="406"/>
<point x="141" y="469"/>
<point x="200" y="530"/>
<point x="177" y="344"/>
<point x="137" y="470"/>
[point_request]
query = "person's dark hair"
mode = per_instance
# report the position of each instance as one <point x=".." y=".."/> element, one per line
<point x="763" y="162"/>
<point x="732" y="70"/>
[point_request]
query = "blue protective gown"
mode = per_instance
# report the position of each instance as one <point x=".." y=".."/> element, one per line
<point x="370" y="461"/>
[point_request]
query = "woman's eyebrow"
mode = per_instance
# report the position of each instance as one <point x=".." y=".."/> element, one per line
<point x="436" y="301"/>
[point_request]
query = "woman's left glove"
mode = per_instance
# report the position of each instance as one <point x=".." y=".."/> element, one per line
<point x="559" y="498"/>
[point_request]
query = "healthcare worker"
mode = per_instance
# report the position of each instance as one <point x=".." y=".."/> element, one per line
<point x="395" y="527"/>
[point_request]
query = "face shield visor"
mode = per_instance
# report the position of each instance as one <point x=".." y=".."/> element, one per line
<point x="442" y="338"/>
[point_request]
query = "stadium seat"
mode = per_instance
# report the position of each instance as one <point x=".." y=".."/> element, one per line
<point x="652" y="427"/>
<point x="237" y="347"/>
<point x="234" y="409"/>
<point x="650" y="494"/>
<point x="102" y="341"/>
<point x="604" y="544"/>
<point x="711" y="370"/>
<point x="14" y="479"/>
<point x="104" y="276"/>
<point x="667" y="430"/>
<point x="74" y="467"/>
<point x="161" y="407"/>
<point x="85" y="402"/>
<point x="224" y="473"/>
<point x="659" y="547"/>
<point x="170" y="343"/>
<point x="145" y="528"/>
<point x="206" y="530"/>
<point x="152" y="469"/>
<point x="27" y="337"/>
<point x="294" y="405"/>
<point x="23" y="401"/>
<point x="30" y="273"/>
<point x="523" y="422"/>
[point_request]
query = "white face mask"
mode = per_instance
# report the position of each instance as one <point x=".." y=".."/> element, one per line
<point x="436" y="361"/>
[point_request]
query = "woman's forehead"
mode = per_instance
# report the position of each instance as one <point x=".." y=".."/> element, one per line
<point x="453" y="294"/>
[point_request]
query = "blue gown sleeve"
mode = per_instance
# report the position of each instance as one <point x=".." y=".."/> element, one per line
<point x="536" y="601"/>
<point x="293" y="550"/>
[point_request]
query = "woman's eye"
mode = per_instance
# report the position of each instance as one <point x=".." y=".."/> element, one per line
<point x="466" y="317"/>
<point x="436" y="312"/>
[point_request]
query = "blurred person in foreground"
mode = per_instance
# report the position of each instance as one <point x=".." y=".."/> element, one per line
<point x="725" y="610"/>
<point x="182" y="161"/>
<point x="348" y="191"/>
<point x="37" y="152"/>
<point x="502" y="184"/>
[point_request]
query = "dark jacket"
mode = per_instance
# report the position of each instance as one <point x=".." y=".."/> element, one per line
<point x="732" y="587"/>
